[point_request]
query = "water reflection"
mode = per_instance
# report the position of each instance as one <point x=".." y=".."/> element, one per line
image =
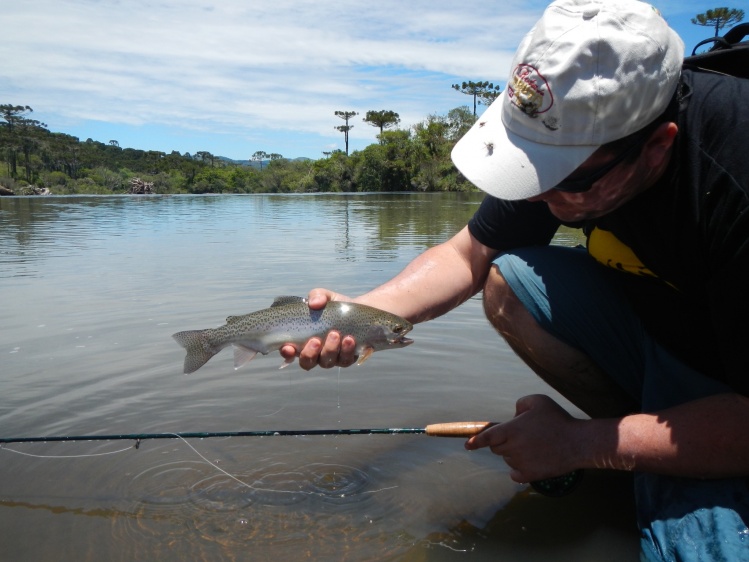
<point x="364" y="227"/>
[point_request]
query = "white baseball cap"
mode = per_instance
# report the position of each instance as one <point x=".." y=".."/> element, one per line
<point x="588" y="73"/>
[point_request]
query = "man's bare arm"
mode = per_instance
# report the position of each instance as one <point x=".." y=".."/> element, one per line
<point x="434" y="283"/>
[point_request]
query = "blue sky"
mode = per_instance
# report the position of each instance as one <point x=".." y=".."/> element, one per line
<point x="236" y="76"/>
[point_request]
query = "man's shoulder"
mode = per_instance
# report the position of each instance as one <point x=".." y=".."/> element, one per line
<point x="708" y="87"/>
<point x="502" y="224"/>
<point x="715" y="112"/>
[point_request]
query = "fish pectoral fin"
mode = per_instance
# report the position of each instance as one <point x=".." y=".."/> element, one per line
<point x="242" y="356"/>
<point x="365" y="354"/>
<point x="286" y="363"/>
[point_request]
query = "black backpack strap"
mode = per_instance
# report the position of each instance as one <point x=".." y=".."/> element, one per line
<point x="737" y="33"/>
<point x="728" y="55"/>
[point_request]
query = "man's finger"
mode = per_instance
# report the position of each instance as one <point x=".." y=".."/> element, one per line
<point x="491" y="437"/>
<point x="310" y="354"/>
<point x="330" y="350"/>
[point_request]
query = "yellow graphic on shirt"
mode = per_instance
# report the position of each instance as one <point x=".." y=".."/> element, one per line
<point x="612" y="252"/>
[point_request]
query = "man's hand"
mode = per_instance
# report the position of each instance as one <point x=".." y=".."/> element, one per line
<point x="337" y="350"/>
<point x="538" y="443"/>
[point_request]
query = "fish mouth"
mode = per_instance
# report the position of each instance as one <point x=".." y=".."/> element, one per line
<point x="402" y="341"/>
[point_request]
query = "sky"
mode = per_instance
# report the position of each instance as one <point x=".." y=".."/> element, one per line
<point x="233" y="77"/>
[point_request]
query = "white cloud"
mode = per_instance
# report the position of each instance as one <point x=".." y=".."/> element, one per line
<point x="248" y="68"/>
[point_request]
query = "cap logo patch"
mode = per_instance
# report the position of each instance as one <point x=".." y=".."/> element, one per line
<point x="529" y="91"/>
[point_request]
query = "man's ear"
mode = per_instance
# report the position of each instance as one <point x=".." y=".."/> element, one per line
<point x="657" y="149"/>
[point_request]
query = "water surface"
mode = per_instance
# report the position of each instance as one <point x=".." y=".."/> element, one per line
<point x="92" y="289"/>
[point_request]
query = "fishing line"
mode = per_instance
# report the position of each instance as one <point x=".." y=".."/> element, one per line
<point x="251" y="487"/>
<point x="6" y="448"/>
<point x="289" y="384"/>
<point x="281" y="409"/>
<point x="213" y="465"/>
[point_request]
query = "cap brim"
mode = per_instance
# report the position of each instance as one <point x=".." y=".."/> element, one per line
<point x="511" y="167"/>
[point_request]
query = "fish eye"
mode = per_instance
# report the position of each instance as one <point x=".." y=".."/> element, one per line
<point x="397" y="328"/>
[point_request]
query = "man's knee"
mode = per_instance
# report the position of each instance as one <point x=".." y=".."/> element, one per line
<point x="500" y="302"/>
<point x="559" y="343"/>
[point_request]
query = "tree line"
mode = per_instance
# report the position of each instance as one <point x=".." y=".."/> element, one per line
<point x="402" y="160"/>
<point x="417" y="159"/>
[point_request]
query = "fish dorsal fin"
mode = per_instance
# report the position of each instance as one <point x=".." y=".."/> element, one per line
<point x="281" y="301"/>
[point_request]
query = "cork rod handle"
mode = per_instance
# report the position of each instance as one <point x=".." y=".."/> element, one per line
<point x="457" y="429"/>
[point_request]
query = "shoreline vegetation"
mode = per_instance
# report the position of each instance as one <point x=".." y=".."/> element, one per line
<point x="36" y="161"/>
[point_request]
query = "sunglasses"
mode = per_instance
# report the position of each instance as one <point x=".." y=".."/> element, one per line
<point x="581" y="185"/>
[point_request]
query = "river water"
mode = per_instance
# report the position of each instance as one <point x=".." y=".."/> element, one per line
<point x="92" y="289"/>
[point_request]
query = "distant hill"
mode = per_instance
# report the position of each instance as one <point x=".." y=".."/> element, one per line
<point x="253" y="163"/>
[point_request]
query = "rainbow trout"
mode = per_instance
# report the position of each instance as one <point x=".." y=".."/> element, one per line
<point x="290" y="320"/>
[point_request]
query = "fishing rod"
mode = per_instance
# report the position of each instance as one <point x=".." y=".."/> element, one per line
<point x="553" y="487"/>
<point x="453" y="429"/>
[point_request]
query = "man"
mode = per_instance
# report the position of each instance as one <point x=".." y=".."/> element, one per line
<point x="646" y="330"/>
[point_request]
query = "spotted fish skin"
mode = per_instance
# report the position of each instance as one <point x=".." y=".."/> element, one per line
<point x="290" y="320"/>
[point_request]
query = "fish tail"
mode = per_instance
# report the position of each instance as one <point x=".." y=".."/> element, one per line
<point x="199" y="349"/>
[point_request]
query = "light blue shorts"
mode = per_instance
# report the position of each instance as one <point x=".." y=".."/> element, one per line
<point x="572" y="297"/>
